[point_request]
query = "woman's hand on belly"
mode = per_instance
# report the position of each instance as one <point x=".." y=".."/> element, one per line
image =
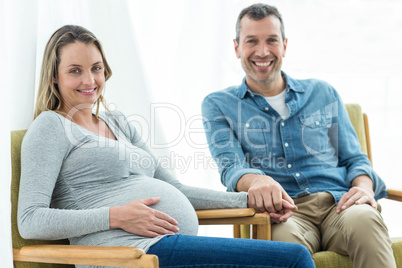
<point x="138" y="218"/>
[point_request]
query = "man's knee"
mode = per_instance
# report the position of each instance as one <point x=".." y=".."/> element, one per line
<point x="359" y="216"/>
<point x="364" y="224"/>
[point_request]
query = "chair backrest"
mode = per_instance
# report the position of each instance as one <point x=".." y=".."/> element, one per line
<point x="18" y="241"/>
<point x="360" y="123"/>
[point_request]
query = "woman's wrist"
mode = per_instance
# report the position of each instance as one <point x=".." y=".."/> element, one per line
<point x="113" y="219"/>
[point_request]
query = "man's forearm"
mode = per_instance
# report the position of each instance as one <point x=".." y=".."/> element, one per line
<point x="363" y="181"/>
<point x="250" y="179"/>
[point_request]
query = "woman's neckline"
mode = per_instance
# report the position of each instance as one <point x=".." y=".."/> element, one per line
<point x="101" y="117"/>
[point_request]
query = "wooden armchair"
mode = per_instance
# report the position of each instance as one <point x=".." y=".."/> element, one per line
<point x="328" y="259"/>
<point x="52" y="254"/>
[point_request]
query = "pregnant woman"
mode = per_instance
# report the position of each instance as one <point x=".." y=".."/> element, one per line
<point x="88" y="176"/>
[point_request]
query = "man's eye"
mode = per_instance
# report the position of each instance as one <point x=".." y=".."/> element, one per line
<point x="273" y="40"/>
<point x="250" y="41"/>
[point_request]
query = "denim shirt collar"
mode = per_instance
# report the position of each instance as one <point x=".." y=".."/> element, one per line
<point x="291" y="84"/>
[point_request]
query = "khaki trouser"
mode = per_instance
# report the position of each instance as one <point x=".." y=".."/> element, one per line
<point x="359" y="231"/>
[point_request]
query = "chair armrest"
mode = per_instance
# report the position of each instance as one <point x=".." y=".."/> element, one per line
<point x="232" y="216"/>
<point x="225" y="213"/>
<point x="394" y="195"/>
<point x="261" y="222"/>
<point x="75" y="251"/>
<point x="86" y="255"/>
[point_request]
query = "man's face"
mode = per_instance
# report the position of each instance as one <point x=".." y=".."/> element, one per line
<point x="261" y="49"/>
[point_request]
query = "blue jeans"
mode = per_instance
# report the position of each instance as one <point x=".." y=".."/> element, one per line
<point x="201" y="252"/>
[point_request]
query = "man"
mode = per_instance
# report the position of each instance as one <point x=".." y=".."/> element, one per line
<point x="290" y="144"/>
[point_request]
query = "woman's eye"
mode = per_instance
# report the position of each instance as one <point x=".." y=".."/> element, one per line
<point x="97" y="68"/>
<point x="74" y="71"/>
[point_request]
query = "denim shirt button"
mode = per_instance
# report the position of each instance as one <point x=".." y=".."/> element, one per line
<point x="297" y="174"/>
<point x="266" y="108"/>
<point x="289" y="165"/>
<point x="247" y="125"/>
<point x="317" y="123"/>
<point x="286" y="144"/>
<point x="283" y="124"/>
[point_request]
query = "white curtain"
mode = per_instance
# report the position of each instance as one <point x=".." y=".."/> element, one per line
<point x="25" y="28"/>
<point x="5" y="163"/>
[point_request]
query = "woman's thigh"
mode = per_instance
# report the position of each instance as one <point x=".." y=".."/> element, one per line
<point x="198" y="251"/>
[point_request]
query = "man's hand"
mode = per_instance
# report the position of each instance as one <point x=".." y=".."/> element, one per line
<point x="138" y="218"/>
<point x="360" y="193"/>
<point x="267" y="195"/>
<point x="284" y="214"/>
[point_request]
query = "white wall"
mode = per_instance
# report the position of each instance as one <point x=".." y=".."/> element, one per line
<point x="187" y="51"/>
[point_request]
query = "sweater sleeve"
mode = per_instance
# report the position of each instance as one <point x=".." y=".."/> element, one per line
<point x="44" y="148"/>
<point x="200" y="198"/>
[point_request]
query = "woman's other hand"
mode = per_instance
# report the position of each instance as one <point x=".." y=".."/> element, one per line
<point x="138" y="218"/>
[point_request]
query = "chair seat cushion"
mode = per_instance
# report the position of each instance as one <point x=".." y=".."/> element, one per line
<point x="329" y="259"/>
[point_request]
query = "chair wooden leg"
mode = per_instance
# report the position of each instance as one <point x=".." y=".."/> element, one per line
<point x="254" y="231"/>
<point x="236" y="231"/>
<point x="264" y="232"/>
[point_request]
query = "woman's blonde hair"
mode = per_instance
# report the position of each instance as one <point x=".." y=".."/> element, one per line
<point x="49" y="98"/>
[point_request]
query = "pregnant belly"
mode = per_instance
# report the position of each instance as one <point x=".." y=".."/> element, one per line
<point x="172" y="202"/>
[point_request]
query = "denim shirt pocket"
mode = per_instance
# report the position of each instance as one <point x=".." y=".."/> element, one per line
<point x="314" y="132"/>
<point x="252" y="136"/>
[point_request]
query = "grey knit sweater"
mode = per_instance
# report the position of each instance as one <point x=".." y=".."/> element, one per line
<point x="71" y="176"/>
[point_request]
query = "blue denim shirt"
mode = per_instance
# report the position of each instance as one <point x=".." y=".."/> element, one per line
<point x="314" y="150"/>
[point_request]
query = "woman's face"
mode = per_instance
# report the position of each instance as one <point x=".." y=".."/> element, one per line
<point x="81" y="76"/>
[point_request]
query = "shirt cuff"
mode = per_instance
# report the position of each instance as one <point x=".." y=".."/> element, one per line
<point x="236" y="175"/>
<point x="357" y="172"/>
